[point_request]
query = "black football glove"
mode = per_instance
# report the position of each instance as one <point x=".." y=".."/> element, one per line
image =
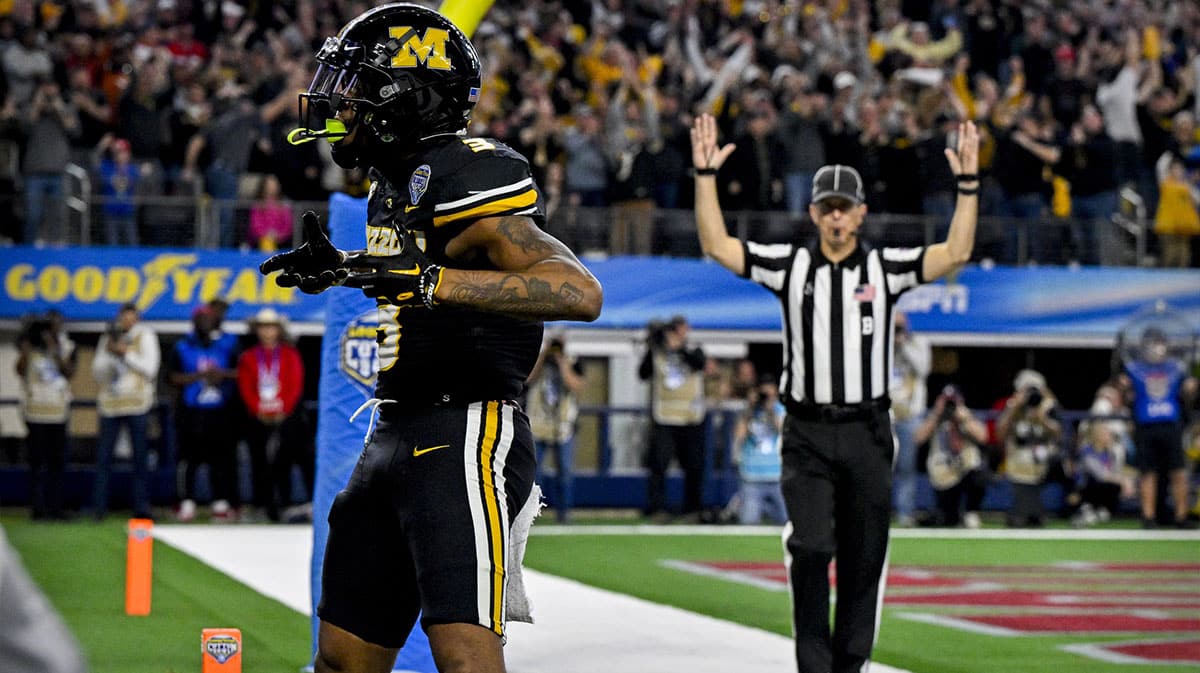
<point x="406" y="278"/>
<point x="314" y="267"/>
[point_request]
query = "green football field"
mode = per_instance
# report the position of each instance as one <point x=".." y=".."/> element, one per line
<point x="955" y="605"/>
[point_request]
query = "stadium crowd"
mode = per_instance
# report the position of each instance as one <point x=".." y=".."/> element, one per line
<point x="1076" y="100"/>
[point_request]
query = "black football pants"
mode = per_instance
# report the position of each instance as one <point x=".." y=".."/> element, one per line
<point x="837" y="483"/>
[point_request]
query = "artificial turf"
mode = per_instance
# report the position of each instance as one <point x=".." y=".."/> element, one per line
<point x="81" y="568"/>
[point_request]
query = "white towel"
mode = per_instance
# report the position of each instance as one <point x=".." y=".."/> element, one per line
<point x="518" y="607"/>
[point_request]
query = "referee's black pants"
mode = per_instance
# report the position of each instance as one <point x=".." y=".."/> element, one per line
<point x="837" y="483"/>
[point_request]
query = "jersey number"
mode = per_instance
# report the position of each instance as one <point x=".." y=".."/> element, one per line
<point x="478" y="144"/>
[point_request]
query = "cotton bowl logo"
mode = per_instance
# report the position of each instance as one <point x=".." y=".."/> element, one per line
<point x="221" y="647"/>
<point x="360" y="350"/>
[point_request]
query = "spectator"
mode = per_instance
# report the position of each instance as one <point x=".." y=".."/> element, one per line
<point x="803" y="148"/>
<point x="271" y="220"/>
<point x="1159" y="387"/>
<point x="1109" y="405"/>
<point x="51" y="123"/>
<point x="632" y="128"/>
<point x="26" y="64"/>
<point x="204" y="369"/>
<point x="1088" y="163"/>
<point x="676" y="375"/>
<point x="118" y="178"/>
<point x="554" y="386"/>
<point x="1030" y="432"/>
<point x="1022" y="152"/>
<point x="910" y="366"/>
<point x="270" y="377"/>
<point x="754" y="181"/>
<point x="126" y="369"/>
<point x="46" y="364"/>
<point x="1177" y="219"/>
<point x="756" y="439"/>
<point x="231" y="136"/>
<point x="1103" y="482"/>
<point x="956" y="464"/>
<point x="1116" y="97"/>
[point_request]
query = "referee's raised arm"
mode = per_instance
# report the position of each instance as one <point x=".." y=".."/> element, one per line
<point x="955" y="251"/>
<point x="707" y="158"/>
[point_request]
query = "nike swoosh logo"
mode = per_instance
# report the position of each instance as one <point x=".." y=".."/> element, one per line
<point x="409" y="209"/>
<point x="416" y="270"/>
<point x="421" y="452"/>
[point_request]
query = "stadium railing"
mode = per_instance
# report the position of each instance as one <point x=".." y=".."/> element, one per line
<point x="191" y="220"/>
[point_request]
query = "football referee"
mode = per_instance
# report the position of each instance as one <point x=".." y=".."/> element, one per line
<point x="838" y="297"/>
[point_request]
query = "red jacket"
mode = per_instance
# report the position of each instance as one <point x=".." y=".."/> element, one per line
<point x="285" y="360"/>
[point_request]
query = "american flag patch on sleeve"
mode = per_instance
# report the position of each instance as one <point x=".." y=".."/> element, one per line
<point x="864" y="293"/>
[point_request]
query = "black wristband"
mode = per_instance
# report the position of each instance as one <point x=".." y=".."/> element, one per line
<point x="967" y="177"/>
<point x="705" y="171"/>
<point x="968" y="191"/>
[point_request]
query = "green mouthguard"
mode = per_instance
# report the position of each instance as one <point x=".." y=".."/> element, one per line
<point x="334" y="131"/>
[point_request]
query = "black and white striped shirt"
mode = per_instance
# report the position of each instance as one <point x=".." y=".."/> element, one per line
<point x="837" y="317"/>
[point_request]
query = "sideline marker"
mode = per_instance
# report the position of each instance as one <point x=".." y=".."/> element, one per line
<point x="139" y="565"/>
<point x="221" y="650"/>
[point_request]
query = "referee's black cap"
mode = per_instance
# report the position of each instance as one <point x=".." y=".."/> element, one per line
<point x="838" y="180"/>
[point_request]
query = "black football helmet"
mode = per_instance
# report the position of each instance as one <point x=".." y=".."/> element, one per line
<point x="406" y="71"/>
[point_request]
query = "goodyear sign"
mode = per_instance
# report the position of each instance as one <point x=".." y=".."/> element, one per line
<point x="91" y="283"/>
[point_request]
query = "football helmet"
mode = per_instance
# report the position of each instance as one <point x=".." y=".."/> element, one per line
<point x="405" y="71"/>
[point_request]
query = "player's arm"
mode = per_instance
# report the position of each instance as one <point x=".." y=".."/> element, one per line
<point x="951" y="254"/>
<point x="715" y="241"/>
<point x="536" y="276"/>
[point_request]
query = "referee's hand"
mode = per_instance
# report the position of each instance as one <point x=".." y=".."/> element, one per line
<point x="964" y="159"/>
<point x="706" y="154"/>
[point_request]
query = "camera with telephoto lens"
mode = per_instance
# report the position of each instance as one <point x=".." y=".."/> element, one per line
<point x="1033" y="397"/>
<point x="38" y="333"/>
<point x="949" y="409"/>
<point x="656" y="333"/>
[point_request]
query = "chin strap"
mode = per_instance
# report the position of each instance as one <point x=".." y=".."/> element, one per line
<point x="334" y="131"/>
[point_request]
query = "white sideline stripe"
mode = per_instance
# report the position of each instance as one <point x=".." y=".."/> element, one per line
<point x="902" y="533"/>
<point x="1101" y="652"/>
<point x="621" y="634"/>
<point x="749" y="579"/>
<point x="959" y="624"/>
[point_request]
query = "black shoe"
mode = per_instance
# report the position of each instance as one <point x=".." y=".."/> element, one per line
<point x="1149" y="524"/>
<point x="1185" y="524"/>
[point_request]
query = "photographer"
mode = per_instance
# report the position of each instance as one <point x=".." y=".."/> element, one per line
<point x="51" y="122"/>
<point x="955" y="463"/>
<point x="676" y="375"/>
<point x="554" y="384"/>
<point x="45" y="366"/>
<point x="756" y="439"/>
<point x="126" y="370"/>
<point x="1029" y="432"/>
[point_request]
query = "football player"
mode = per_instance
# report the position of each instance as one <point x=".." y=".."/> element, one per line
<point x="463" y="277"/>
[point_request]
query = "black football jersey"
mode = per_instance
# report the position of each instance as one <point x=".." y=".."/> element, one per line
<point x="451" y="353"/>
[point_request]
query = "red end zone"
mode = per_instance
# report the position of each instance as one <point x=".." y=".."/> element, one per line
<point x="1080" y="598"/>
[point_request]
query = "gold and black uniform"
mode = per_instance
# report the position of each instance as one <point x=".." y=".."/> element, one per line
<point x="424" y="522"/>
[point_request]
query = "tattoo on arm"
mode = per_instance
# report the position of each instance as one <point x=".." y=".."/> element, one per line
<point x="516" y="295"/>
<point x="523" y="234"/>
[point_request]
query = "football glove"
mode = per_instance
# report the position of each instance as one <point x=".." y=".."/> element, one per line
<point x="314" y="267"/>
<point x="407" y="278"/>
